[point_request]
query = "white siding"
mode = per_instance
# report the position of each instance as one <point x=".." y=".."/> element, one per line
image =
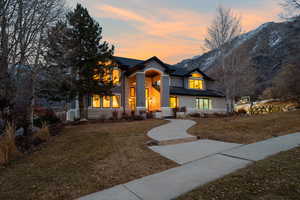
<point x="218" y="104"/>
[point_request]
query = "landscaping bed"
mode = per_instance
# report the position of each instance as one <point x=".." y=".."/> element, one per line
<point x="246" y="129"/>
<point x="83" y="159"/>
<point x="276" y="178"/>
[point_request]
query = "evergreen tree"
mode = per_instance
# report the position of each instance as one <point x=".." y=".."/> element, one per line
<point x="76" y="55"/>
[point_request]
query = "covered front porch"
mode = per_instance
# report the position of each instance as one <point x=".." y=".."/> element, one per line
<point x="148" y="90"/>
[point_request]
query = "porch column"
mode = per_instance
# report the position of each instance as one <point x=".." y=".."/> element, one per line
<point x="165" y="91"/>
<point x="140" y="91"/>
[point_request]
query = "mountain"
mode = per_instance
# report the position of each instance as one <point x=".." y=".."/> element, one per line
<point x="269" y="48"/>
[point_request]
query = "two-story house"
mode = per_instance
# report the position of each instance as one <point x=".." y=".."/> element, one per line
<point x="153" y="85"/>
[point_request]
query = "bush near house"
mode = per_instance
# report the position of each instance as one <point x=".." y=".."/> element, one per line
<point x="44" y="115"/>
<point x="8" y="147"/>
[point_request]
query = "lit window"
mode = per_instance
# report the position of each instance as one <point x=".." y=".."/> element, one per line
<point x="96" y="77"/>
<point x="116" y="101"/>
<point x="203" y="104"/>
<point x="116" y="76"/>
<point x="107" y="63"/>
<point x="173" y="102"/>
<point x="196" y="84"/>
<point x="196" y="75"/>
<point x="106" y="102"/>
<point x="106" y="75"/>
<point x="96" y="101"/>
<point x="132" y="92"/>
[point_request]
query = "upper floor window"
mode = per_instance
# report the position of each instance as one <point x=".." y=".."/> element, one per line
<point x="197" y="75"/>
<point x="196" y="84"/>
<point x="110" y="75"/>
<point x="196" y="81"/>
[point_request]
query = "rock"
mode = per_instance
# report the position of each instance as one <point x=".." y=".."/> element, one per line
<point x="20" y="132"/>
<point x="152" y="143"/>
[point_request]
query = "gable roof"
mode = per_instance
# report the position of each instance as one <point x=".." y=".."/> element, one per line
<point x="127" y="62"/>
<point x="132" y="65"/>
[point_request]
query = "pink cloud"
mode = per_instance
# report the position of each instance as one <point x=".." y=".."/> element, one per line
<point x="172" y="34"/>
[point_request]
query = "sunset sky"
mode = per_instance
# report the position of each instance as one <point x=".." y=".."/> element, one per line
<point x="173" y="30"/>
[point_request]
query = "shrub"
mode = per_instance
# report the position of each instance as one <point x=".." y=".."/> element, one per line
<point x="183" y="109"/>
<point x="49" y="118"/>
<point x="196" y="115"/>
<point x="115" y="115"/>
<point x="7" y="144"/>
<point x="139" y="117"/>
<point x="150" y="115"/>
<point x="43" y="133"/>
<point x="125" y="116"/>
<point x="175" y="110"/>
<point x="132" y="113"/>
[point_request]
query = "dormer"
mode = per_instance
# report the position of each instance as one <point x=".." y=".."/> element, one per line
<point x="197" y="80"/>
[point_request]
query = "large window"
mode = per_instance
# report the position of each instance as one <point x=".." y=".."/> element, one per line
<point x="132" y="92"/>
<point x="196" y="84"/>
<point x="116" y="76"/>
<point x="96" y="101"/>
<point x="109" y="75"/>
<point x="203" y="104"/>
<point x="116" y="101"/>
<point x="173" y="102"/>
<point x="106" y="101"/>
<point x="196" y="81"/>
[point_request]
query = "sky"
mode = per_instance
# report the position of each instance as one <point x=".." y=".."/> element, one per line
<point x="172" y="30"/>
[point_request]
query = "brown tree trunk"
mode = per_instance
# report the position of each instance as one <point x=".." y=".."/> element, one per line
<point x="82" y="107"/>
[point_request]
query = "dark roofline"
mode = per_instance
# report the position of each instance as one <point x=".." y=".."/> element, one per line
<point x="122" y="64"/>
<point x="142" y="65"/>
<point x="191" y="92"/>
<point x="202" y="73"/>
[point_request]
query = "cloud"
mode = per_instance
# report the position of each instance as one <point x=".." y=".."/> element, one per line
<point x="171" y="34"/>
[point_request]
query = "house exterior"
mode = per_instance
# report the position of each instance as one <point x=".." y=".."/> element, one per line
<point x="152" y="85"/>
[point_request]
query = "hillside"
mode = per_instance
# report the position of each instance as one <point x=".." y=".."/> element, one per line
<point x="269" y="47"/>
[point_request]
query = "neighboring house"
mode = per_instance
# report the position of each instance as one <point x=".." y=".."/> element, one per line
<point x="153" y="85"/>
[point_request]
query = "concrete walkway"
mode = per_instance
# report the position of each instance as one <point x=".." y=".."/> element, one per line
<point x="206" y="167"/>
<point x="187" y="152"/>
<point x="176" y="129"/>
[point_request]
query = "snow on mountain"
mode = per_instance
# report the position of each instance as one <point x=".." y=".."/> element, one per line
<point x="268" y="47"/>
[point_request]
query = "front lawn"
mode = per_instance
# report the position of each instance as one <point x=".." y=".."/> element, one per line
<point x="82" y="160"/>
<point x="247" y="129"/>
<point x="276" y="178"/>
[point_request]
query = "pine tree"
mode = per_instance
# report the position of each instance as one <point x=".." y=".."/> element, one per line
<point x="76" y="51"/>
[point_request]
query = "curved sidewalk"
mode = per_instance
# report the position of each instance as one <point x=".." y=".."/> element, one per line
<point x="176" y="129"/>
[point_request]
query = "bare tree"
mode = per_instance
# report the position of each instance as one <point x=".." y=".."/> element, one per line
<point x="225" y="27"/>
<point x="238" y="77"/>
<point x="23" y="28"/>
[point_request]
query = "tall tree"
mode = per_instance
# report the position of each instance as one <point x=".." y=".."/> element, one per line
<point x="23" y="26"/>
<point x="75" y="47"/>
<point x="225" y="27"/>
